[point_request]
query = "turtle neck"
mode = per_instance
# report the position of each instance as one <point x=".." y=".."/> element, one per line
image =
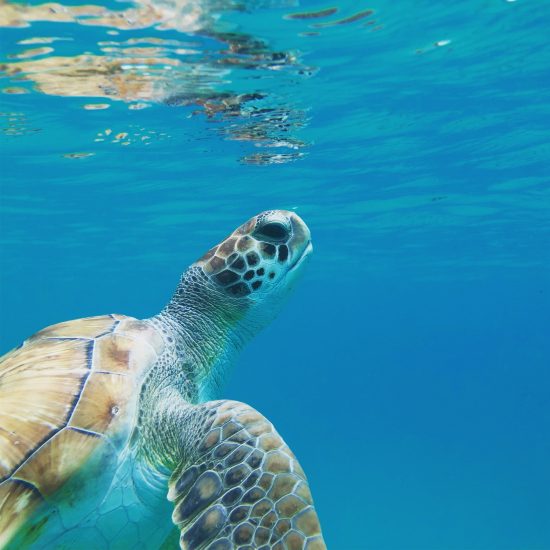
<point x="205" y="328"/>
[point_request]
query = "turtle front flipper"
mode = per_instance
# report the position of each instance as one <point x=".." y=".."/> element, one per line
<point x="238" y="484"/>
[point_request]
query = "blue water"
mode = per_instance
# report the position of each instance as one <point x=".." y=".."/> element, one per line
<point x="410" y="370"/>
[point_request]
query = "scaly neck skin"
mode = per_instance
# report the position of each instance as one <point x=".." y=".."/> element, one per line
<point x="206" y="329"/>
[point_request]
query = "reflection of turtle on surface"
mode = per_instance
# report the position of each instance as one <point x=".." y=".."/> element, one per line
<point x="150" y="70"/>
<point x="144" y="70"/>
<point x="143" y="15"/>
<point x="104" y="418"/>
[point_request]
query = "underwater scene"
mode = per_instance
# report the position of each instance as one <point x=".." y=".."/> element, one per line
<point x="401" y="148"/>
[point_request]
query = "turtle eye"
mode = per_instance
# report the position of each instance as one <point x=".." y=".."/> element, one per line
<point x="272" y="231"/>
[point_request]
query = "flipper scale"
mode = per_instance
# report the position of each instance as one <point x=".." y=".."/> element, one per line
<point x="238" y="484"/>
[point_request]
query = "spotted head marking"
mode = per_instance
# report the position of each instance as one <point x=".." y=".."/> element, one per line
<point x="261" y="256"/>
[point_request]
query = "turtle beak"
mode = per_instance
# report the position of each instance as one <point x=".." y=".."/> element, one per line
<point x="305" y="254"/>
<point x="300" y="243"/>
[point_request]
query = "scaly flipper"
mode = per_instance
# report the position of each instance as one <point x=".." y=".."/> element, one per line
<point x="239" y="485"/>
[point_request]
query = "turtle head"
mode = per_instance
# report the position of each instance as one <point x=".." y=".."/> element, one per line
<point x="257" y="264"/>
<point x="234" y="290"/>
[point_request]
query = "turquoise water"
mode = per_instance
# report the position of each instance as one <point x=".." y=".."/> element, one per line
<point x="410" y="370"/>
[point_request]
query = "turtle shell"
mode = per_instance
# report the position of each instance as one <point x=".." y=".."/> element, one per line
<point x="68" y="395"/>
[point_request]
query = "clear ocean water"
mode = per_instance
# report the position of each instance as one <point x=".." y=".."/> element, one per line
<point x="410" y="370"/>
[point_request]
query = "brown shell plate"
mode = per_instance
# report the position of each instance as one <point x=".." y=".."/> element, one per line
<point x="66" y="392"/>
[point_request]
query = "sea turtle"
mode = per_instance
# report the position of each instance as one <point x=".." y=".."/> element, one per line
<point x="109" y="437"/>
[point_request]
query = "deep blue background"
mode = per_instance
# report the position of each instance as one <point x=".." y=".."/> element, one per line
<point x="410" y="371"/>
